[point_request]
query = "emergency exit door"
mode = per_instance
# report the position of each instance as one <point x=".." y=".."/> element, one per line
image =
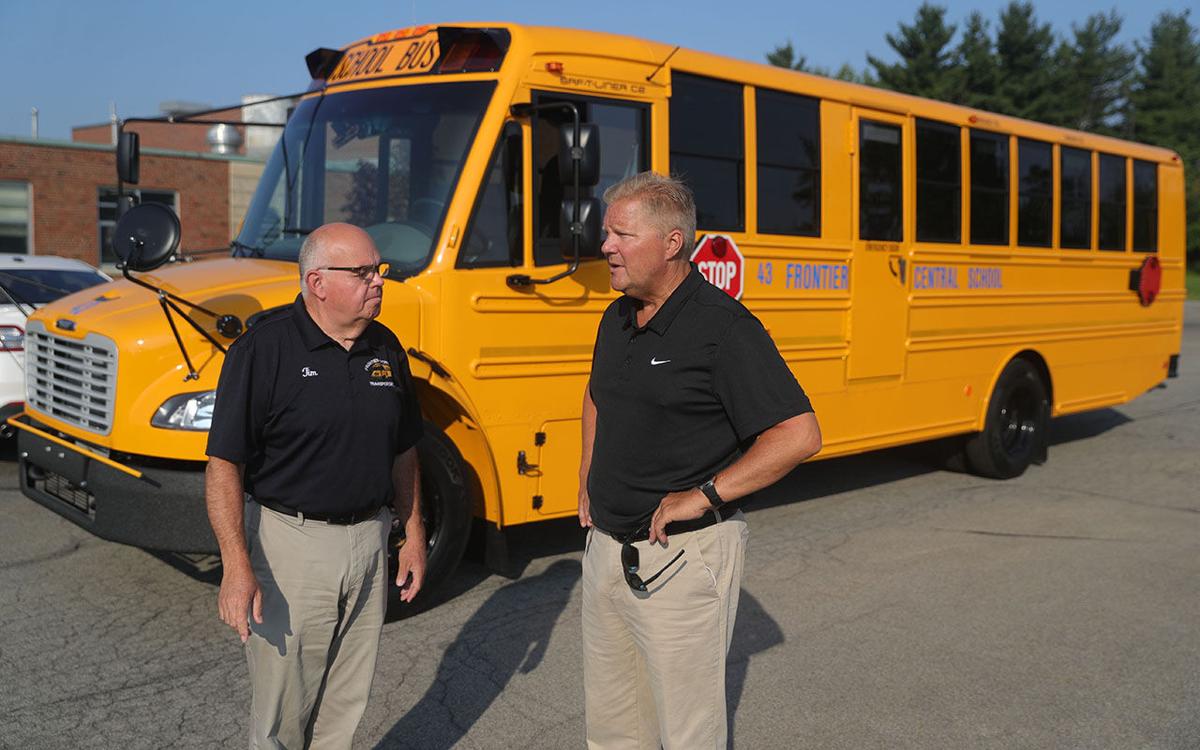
<point x="879" y="290"/>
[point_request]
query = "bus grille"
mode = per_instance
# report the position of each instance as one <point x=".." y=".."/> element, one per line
<point x="71" y="380"/>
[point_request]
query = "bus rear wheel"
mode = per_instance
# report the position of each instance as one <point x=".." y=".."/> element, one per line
<point x="1015" y="429"/>
<point x="447" y="517"/>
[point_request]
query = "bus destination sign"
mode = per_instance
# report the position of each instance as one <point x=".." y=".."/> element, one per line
<point x="391" y="57"/>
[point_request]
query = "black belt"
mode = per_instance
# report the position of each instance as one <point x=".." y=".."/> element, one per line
<point x="342" y="520"/>
<point x="682" y="527"/>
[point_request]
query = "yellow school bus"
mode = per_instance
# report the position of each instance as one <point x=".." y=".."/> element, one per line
<point x="927" y="270"/>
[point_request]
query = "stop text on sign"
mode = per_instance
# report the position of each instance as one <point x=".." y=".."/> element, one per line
<point x="718" y="259"/>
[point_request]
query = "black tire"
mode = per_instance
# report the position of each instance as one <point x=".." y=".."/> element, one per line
<point x="447" y="516"/>
<point x="1015" y="431"/>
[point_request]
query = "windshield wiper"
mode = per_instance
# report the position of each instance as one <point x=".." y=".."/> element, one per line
<point x="296" y="230"/>
<point x="18" y="301"/>
<point x="254" y="250"/>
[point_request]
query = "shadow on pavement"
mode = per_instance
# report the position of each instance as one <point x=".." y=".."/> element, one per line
<point x="508" y="634"/>
<point x="1086" y="425"/>
<point x="753" y="633"/>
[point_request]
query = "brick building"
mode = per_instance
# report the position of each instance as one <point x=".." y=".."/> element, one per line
<point x="59" y="197"/>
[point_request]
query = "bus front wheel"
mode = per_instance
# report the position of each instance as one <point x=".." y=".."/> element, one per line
<point x="1015" y="430"/>
<point x="447" y="517"/>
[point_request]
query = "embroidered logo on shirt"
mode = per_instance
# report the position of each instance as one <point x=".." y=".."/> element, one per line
<point x="379" y="373"/>
<point x="656" y="361"/>
<point x="307" y="372"/>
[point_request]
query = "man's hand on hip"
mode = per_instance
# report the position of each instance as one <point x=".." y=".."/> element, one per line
<point x="411" y="573"/>
<point x="677" y="506"/>
<point x="239" y="599"/>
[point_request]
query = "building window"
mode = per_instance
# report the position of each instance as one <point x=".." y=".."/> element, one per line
<point x="108" y="213"/>
<point x="939" y="182"/>
<point x="1112" y="203"/>
<point x="789" y="163"/>
<point x="1075" y="223"/>
<point x="15" y="214"/>
<point x="989" y="188"/>
<point x="1035" y="193"/>
<point x="1145" y="206"/>
<point x="708" y="148"/>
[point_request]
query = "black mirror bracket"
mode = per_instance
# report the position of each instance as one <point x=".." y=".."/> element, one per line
<point x="519" y="280"/>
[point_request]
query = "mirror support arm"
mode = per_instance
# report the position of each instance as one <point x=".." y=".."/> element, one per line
<point x="169" y="302"/>
<point x="524" y="110"/>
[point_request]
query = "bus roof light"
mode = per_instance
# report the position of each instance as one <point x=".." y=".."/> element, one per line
<point x="554" y="67"/>
<point x="471" y="50"/>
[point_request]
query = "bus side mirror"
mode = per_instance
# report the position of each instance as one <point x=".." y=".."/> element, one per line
<point x="146" y="236"/>
<point x="587" y="151"/>
<point x="589" y="228"/>
<point x="128" y="157"/>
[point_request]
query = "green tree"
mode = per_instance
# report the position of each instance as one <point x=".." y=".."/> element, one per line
<point x="925" y="55"/>
<point x="1026" y="79"/>
<point x="1094" y="73"/>
<point x="784" y="56"/>
<point x="1164" y="105"/>
<point x="973" y="75"/>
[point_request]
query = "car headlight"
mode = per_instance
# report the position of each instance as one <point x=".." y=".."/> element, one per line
<point x="187" y="411"/>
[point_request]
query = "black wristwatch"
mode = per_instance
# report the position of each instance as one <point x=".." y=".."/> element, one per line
<point x="710" y="491"/>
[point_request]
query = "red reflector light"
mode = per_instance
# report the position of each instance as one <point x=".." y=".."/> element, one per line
<point x="554" y="67"/>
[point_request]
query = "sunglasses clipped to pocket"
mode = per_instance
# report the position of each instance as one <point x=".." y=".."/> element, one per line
<point x="631" y="562"/>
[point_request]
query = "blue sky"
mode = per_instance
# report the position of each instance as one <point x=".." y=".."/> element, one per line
<point x="70" y="59"/>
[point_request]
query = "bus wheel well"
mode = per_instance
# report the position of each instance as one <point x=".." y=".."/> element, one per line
<point x="1039" y="362"/>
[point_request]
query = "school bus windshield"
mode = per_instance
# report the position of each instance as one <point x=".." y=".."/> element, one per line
<point x="384" y="159"/>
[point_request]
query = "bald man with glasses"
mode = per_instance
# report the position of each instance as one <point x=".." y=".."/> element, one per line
<point x="311" y="452"/>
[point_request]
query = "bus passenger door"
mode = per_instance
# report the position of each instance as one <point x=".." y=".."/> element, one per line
<point x="879" y="279"/>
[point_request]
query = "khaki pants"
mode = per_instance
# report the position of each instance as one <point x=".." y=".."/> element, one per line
<point x="654" y="662"/>
<point x="324" y="592"/>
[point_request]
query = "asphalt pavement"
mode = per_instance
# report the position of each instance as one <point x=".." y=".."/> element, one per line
<point x="886" y="604"/>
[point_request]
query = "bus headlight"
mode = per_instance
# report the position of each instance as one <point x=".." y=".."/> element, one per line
<point x="187" y="411"/>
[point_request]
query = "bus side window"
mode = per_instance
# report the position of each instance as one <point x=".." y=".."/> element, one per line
<point x="989" y="188"/>
<point x="1075" y="222"/>
<point x="495" y="236"/>
<point x="789" y="163"/>
<point x="623" y="152"/>
<point x="1145" y="206"/>
<point x="1035" y="193"/>
<point x="879" y="196"/>
<point x="939" y="182"/>
<point x="708" y="148"/>
<point x="1112" y="203"/>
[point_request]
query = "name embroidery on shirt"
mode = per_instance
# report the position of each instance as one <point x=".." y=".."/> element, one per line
<point x="308" y="372"/>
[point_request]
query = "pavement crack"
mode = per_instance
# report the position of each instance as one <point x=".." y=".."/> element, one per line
<point x="1026" y="535"/>
<point x="57" y="554"/>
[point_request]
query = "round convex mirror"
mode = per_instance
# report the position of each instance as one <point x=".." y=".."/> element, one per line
<point x="146" y="236"/>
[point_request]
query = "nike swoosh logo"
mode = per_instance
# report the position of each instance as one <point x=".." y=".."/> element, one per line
<point x="654" y="361"/>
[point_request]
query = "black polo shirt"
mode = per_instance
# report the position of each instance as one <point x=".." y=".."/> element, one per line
<point x="679" y="399"/>
<point x="317" y="427"/>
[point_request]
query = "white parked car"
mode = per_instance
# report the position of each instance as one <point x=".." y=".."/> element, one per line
<point x="26" y="282"/>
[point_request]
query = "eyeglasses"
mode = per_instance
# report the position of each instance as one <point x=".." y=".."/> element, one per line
<point x="364" y="273"/>
<point x="631" y="561"/>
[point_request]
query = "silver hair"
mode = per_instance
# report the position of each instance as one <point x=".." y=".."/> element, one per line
<point x="668" y="202"/>
<point x="310" y="253"/>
